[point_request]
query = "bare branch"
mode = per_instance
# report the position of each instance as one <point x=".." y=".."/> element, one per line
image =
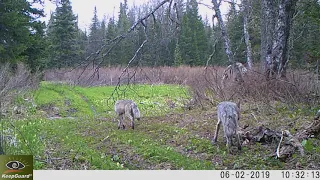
<point x="176" y="11"/>
<point x="211" y="55"/>
<point x="104" y="52"/>
<point x="136" y="53"/>
<point x="129" y="63"/>
<point x="206" y="5"/>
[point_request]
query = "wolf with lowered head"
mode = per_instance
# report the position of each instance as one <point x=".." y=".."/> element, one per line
<point x="228" y="116"/>
<point x="126" y="108"/>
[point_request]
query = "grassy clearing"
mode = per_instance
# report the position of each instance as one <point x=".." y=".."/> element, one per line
<point x="83" y="136"/>
<point x="73" y="144"/>
<point x="78" y="101"/>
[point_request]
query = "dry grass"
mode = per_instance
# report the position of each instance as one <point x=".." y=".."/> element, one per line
<point x="300" y="87"/>
<point x="13" y="81"/>
<point x="111" y="76"/>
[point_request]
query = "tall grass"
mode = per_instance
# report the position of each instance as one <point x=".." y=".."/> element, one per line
<point x="205" y="83"/>
<point x="15" y="79"/>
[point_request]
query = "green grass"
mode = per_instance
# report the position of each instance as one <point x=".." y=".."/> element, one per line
<point x="78" y="139"/>
<point x="79" y="101"/>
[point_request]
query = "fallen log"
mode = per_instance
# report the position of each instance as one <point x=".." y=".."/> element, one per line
<point x="287" y="143"/>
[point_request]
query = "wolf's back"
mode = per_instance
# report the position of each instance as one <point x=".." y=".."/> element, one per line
<point x="228" y="113"/>
<point x="127" y="106"/>
<point x="120" y="106"/>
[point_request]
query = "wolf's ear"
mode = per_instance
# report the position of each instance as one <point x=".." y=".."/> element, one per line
<point x="238" y="103"/>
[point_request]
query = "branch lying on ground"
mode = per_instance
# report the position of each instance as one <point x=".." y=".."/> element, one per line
<point x="292" y="142"/>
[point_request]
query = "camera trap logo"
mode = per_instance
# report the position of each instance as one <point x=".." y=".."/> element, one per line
<point x="16" y="167"/>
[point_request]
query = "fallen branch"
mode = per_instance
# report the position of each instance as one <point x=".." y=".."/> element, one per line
<point x="291" y="143"/>
<point x="278" y="149"/>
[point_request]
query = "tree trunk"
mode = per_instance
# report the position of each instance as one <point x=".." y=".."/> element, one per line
<point x="227" y="44"/>
<point x="280" y="42"/>
<point x="267" y="29"/>
<point x="246" y="32"/>
<point x="274" y="37"/>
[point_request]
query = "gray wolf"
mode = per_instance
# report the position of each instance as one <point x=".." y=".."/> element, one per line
<point x="126" y="108"/>
<point x="229" y="116"/>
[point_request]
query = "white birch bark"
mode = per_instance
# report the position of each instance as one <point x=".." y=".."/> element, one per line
<point x="226" y="40"/>
<point x="267" y="29"/>
<point x="246" y="33"/>
<point x="280" y="43"/>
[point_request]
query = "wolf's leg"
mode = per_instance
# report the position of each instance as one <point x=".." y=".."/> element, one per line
<point x="239" y="143"/>
<point x="120" y="124"/>
<point x="119" y="121"/>
<point x="214" y="140"/>
<point x="229" y="141"/>
<point x="132" y="124"/>
<point x="132" y="120"/>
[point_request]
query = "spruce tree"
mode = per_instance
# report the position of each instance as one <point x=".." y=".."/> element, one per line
<point x="123" y="22"/>
<point x="235" y="31"/>
<point x="125" y="48"/>
<point x="82" y="40"/>
<point x="111" y="29"/>
<point x="110" y="35"/>
<point x="103" y="29"/>
<point x="177" y="55"/>
<point x="65" y="51"/>
<point x="21" y="33"/>
<point x="305" y="38"/>
<point x="193" y="39"/>
<point x="94" y="36"/>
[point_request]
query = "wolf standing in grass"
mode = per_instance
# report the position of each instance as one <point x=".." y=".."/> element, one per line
<point x="228" y="116"/>
<point x="126" y="108"/>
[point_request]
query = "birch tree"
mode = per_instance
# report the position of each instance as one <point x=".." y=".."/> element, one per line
<point x="280" y="42"/>
<point x="227" y="45"/>
<point x="275" y="32"/>
<point x="267" y="29"/>
<point x="246" y="32"/>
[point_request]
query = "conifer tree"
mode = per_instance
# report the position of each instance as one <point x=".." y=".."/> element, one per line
<point x="193" y="40"/>
<point x="65" y="51"/>
<point x="94" y="36"/>
<point x="21" y="33"/>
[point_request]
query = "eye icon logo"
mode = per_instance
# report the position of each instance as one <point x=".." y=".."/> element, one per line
<point x="15" y="165"/>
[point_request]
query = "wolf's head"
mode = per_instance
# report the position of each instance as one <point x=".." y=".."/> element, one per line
<point x="135" y="111"/>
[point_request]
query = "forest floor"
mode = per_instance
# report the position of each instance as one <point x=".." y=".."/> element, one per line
<point x="72" y="127"/>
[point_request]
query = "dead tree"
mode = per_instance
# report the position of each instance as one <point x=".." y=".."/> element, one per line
<point x="288" y="143"/>
<point x="228" y="73"/>
<point x="226" y="40"/>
